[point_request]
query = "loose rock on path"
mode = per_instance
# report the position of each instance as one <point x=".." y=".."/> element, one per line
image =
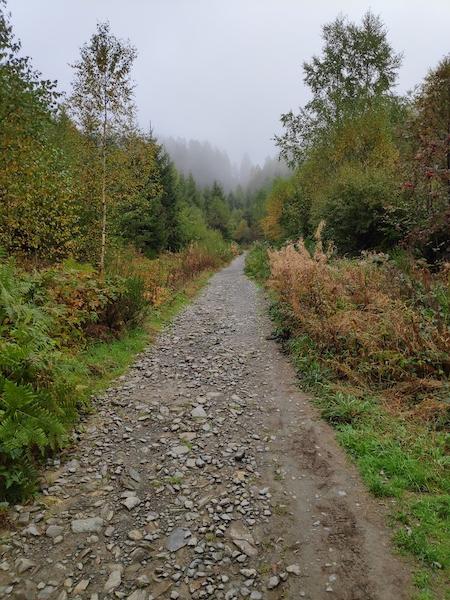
<point x="204" y="473"/>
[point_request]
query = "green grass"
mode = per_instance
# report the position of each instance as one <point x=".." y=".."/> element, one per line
<point x="103" y="362"/>
<point x="174" y="480"/>
<point x="404" y="463"/>
<point x="424" y="533"/>
<point x="397" y="459"/>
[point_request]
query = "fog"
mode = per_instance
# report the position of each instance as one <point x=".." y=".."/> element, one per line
<point x="208" y="164"/>
<point x="222" y="71"/>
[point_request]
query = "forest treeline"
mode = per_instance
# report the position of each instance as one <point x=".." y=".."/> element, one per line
<point x="373" y="164"/>
<point x="208" y="164"/>
<point x="356" y="259"/>
<point x="65" y="160"/>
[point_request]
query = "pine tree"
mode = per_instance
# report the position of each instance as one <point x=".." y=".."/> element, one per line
<point x="169" y="198"/>
<point x="217" y="210"/>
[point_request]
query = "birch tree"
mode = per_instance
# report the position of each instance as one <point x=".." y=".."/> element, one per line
<point x="102" y="102"/>
<point x="357" y="67"/>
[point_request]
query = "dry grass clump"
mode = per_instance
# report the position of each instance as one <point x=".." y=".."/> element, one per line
<point x="168" y="273"/>
<point x="371" y="322"/>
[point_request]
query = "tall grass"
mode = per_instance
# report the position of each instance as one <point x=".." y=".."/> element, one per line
<point x="257" y="264"/>
<point x="169" y="272"/>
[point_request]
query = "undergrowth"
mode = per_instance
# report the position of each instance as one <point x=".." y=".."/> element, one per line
<point x="345" y="325"/>
<point x="64" y="332"/>
<point x="256" y="263"/>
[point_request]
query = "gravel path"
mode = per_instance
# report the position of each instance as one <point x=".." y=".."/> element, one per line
<point x="204" y="473"/>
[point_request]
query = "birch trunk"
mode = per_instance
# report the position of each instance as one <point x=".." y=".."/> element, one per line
<point x="104" y="207"/>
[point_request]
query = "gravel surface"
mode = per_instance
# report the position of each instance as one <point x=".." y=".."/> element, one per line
<point x="204" y="473"/>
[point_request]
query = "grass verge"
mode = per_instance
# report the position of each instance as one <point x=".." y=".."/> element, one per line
<point x="403" y="462"/>
<point x="66" y="332"/>
<point x="105" y="361"/>
<point x="90" y="371"/>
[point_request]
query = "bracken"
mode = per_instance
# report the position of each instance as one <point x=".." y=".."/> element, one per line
<point x="371" y="322"/>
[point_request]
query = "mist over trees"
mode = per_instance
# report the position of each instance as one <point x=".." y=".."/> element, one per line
<point x="208" y="164"/>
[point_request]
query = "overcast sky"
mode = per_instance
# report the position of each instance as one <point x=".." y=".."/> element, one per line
<point x="222" y="70"/>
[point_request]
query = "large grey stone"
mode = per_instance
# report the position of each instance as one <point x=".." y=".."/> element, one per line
<point x="242" y="538"/>
<point x="178" y="539"/>
<point x="54" y="531"/>
<point x="293" y="569"/>
<point x="24" y="564"/>
<point x="113" y="582"/>
<point x="131" y="502"/>
<point x="273" y="582"/>
<point x="198" y="412"/>
<point x="179" y="450"/>
<point x="89" y="525"/>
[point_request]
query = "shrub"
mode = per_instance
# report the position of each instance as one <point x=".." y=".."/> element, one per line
<point x="371" y="323"/>
<point x="167" y="274"/>
<point x="128" y="306"/>
<point x="431" y="239"/>
<point x="355" y="207"/>
<point x="84" y="305"/>
<point x="257" y="263"/>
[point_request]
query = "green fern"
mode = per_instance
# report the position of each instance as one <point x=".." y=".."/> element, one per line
<point x="18" y="480"/>
<point x="25" y="422"/>
<point x="36" y="394"/>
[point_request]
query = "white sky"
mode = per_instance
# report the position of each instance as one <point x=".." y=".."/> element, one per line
<point x="222" y="70"/>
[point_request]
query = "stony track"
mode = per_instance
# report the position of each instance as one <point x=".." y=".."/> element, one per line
<point x="204" y="473"/>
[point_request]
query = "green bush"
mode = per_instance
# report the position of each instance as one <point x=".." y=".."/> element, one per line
<point x="194" y="229"/>
<point x="354" y="210"/>
<point x="84" y="306"/>
<point x="257" y="263"/>
<point x="128" y="306"/>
